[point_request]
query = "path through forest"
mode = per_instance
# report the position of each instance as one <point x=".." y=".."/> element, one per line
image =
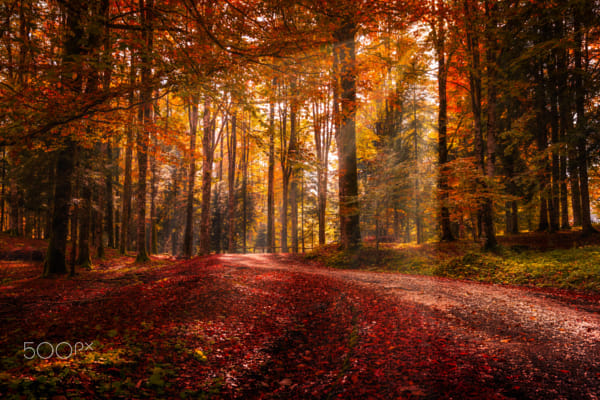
<point x="276" y="326"/>
<point x="549" y="339"/>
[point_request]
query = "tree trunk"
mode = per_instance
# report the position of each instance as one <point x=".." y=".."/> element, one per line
<point x="143" y="137"/>
<point x="285" y="184"/>
<point x="14" y="208"/>
<point x="322" y="136"/>
<point x="580" y="94"/>
<point x="153" y="192"/>
<point x="446" y="231"/>
<point x="542" y="144"/>
<point x="573" y="169"/>
<point x="418" y="223"/>
<point x="110" y="201"/>
<point x="55" y="262"/>
<point x="492" y="128"/>
<point x="207" y="162"/>
<point x="565" y="124"/>
<point x="85" y="218"/>
<point x="3" y="189"/>
<point x="302" y="212"/>
<point x="98" y="217"/>
<point x="345" y="53"/>
<point x="231" y="150"/>
<point x="126" y="205"/>
<point x="188" y="237"/>
<point x="485" y="215"/>
<point x="75" y="216"/>
<point x="284" y="162"/>
<point x="245" y="160"/>
<point x="292" y="161"/>
<point x="555" y="167"/>
<point x="271" y="176"/>
<point x="218" y="213"/>
<point x="174" y="225"/>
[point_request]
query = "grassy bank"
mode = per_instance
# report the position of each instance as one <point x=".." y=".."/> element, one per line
<point x="522" y="260"/>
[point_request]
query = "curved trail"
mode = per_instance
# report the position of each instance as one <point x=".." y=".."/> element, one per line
<point x="535" y="336"/>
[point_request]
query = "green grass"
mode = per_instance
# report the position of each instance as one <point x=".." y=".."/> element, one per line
<point x="574" y="268"/>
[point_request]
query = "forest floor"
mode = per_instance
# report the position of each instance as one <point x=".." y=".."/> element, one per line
<point x="279" y="327"/>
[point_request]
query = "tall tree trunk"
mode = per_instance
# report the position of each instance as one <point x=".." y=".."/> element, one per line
<point x="85" y="219"/>
<point x="188" y="237"/>
<point x="245" y="161"/>
<point x="285" y="185"/>
<point x="580" y="94"/>
<point x="446" y="231"/>
<point x="14" y="207"/>
<point x="271" y="175"/>
<point x="292" y="160"/>
<point x="143" y="137"/>
<point x="294" y="213"/>
<point x="418" y="222"/>
<point x="485" y="215"/>
<point x="492" y="128"/>
<point x="555" y="166"/>
<point x="174" y="223"/>
<point x="3" y="189"/>
<point x="231" y="150"/>
<point x="302" y="230"/>
<point x="153" y="192"/>
<point x="542" y="144"/>
<point x="98" y="217"/>
<point x="217" y="219"/>
<point x="323" y="136"/>
<point x="110" y="201"/>
<point x="126" y="206"/>
<point x="573" y="169"/>
<point x="75" y="215"/>
<point x="345" y="53"/>
<point x="284" y="162"/>
<point x="207" y="163"/>
<point x="55" y="263"/>
<point x="564" y="111"/>
<point x="566" y="125"/>
<point x="110" y="169"/>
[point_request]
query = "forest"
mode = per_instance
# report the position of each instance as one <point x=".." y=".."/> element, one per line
<point x="192" y="127"/>
<point x="299" y="199"/>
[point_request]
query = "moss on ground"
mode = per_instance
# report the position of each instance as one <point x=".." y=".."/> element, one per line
<point x="575" y="268"/>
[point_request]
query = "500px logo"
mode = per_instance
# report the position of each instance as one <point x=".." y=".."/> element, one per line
<point x="62" y="350"/>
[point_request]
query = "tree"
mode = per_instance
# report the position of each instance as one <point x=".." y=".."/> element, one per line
<point x="231" y="152"/>
<point x="192" y="109"/>
<point x="439" y="33"/>
<point x="74" y="48"/>
<point x="323" y="135"/>
<point x="271" y="173"/>
<point x="143" y="135"/>
<point x="344" y="50"/>
<point x="127" y="182"/>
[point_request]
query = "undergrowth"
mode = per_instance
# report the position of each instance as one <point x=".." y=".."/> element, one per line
<point x="574" y="268"/>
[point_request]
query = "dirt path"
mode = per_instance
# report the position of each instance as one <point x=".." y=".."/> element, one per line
<point x="543" y="338"/>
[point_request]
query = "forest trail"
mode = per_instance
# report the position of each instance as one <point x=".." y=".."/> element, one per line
<point x="262" y="326"/>
<point x="548" y="337"/>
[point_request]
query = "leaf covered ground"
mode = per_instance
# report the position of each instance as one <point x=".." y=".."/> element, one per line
<point x="217" y="327"/>
<point x="200" y="328"/>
